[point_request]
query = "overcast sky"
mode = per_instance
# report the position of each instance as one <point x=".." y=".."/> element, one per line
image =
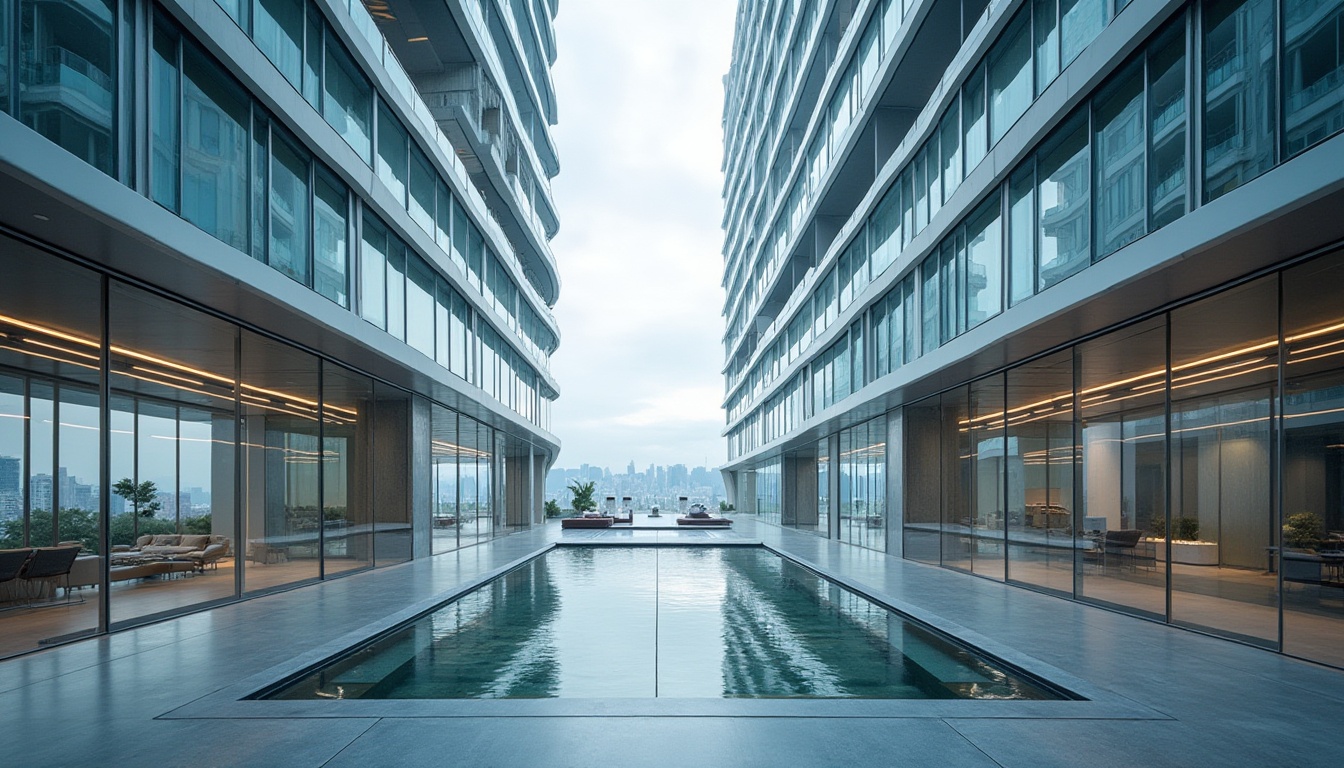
<point x="640" y="93"/>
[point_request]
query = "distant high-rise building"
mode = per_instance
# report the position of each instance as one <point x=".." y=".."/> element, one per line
<point x="1014" y="288"/>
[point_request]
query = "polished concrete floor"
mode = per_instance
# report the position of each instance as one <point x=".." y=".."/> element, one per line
<point x="132" y="698"/>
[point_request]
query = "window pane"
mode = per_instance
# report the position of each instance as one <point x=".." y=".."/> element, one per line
<point x="163" y="98"/>
<point x="1224" y="382"/>
<point x="1238" y="93"/>
<point x="984" y="264"/>
<point x="420" y="307"/>
<point x="1047" y="42"/>
<point x="1118" y="122"/>
<point x="1010" y="76"/>
<point x="312" y="59"/>
<point x="396" y="288"/>
<point x="349" y="100"/>
<point x="373" y="274"/>
<point x="1080" y="21"/>
<point x="443" y="309"/>
<point x="282" y="447"/>
<point x="1312" y="424"/>
<point x="929" y="303"/>
<point x="423" y="181"/>
<point x="392" y="154"/>
<point x="973" y="118"/>
<point x="66" y="72"/>
<point x="214" y="156"/>
<point x="1064" y="197"/>
<point x="1041" y="458"/>
<point x="443" y="213"/>
<point x="459" y="348"/>
<point x="1123" y="436"/>
<point x="347" y="493"/>
<point x="884" y="230"/>
<point x="175" y="439"/>
<point x="329" y="240"/>
<point x="460" y="226"/>
<point x="277" y="29"/>
<point x="1313" y="71"/>
<point x="289" y="211"/>
<point x="1022" y="234"/>
<point x="261" y="164"/>
<point x="950" y="139"/>
<point x="1167" y="128"/>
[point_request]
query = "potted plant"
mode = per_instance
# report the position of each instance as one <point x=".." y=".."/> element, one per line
<point x="1303" y="530"/>
<point x="1186" y="546"/>
<point x="583" y="500"/>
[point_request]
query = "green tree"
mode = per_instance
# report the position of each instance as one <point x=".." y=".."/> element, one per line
<point x="552" y="508"/>
<point x="583" y="500"/>
<point x="143" y="497"/>
<point x="76" y="525"/>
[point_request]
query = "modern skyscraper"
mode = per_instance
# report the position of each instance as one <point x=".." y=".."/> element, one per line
<point x="1047" y="292"/>
<point x="292" y="255"/>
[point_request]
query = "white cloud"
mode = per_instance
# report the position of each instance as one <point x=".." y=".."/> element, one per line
<point x="640" y="95"/>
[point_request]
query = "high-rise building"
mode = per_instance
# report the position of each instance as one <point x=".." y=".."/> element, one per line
<point x="292" y="255"/>
<point x="1047" y="292"/>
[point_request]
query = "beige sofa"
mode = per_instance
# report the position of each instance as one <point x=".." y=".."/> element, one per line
<point x="199" y="549"/>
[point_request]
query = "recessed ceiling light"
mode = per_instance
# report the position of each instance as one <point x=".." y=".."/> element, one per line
<point x="417" y="39"/>
<point x="40" y="217"/>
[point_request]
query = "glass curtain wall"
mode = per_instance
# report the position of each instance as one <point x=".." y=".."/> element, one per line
<point x="863" y="488"/>
<point x="445" y="447"/>
<point x="50" y="341"/>
<point x="984" y="467"/>
<point x="1041" y="458"/>
<point x="173" y="417"/>
<point x="1310" y="563"/>
<point x="348" y="433"/>
<point x="1224" y="386"/>
<point x="1122" y="403"/>
<point x="281" y="459"/>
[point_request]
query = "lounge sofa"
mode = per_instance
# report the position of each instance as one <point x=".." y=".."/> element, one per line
<point x="200" y="549"/>
<point x="588" y="521"/>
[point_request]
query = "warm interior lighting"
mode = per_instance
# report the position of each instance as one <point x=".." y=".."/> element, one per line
<point x="420" y="39"/>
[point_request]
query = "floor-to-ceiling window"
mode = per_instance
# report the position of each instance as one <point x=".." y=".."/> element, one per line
<point x="50" y="481"/>
<point x="173" y="455"/>
<point x="1122" y="405"/>
<point x="1311" y="523"/>
<point x="1041" y="461"/>
<point x="1224" y="382"/>
<point x="281" y="460"/>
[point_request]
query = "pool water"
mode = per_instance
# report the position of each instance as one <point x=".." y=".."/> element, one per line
<point x="668" y="622"/>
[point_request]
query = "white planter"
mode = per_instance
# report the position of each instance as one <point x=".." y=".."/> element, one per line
<point x="1187" y="552"/>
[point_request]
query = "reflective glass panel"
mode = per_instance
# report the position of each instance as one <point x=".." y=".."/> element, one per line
<point x="1238" y="93"/>
<point x="67" y="76"/>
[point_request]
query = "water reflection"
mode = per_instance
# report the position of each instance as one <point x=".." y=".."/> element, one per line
<point x="693" y="622"/>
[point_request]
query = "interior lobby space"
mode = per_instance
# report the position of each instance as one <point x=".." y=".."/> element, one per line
<point x="1196" y="699"/>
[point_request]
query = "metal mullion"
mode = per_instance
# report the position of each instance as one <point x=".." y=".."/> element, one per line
<point x="1167" y="458"/>
<point x="55" y="462"/>
<point x="27" y="504"/>
<point x="321" y="471"/>
<point x="239" y="456"/>
<point x="1276" y="466"/>
<point x="104" y="459"/>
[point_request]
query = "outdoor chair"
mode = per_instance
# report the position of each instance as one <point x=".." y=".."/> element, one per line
<point x="50" y="565"/>
<point x="11" y="565"/>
